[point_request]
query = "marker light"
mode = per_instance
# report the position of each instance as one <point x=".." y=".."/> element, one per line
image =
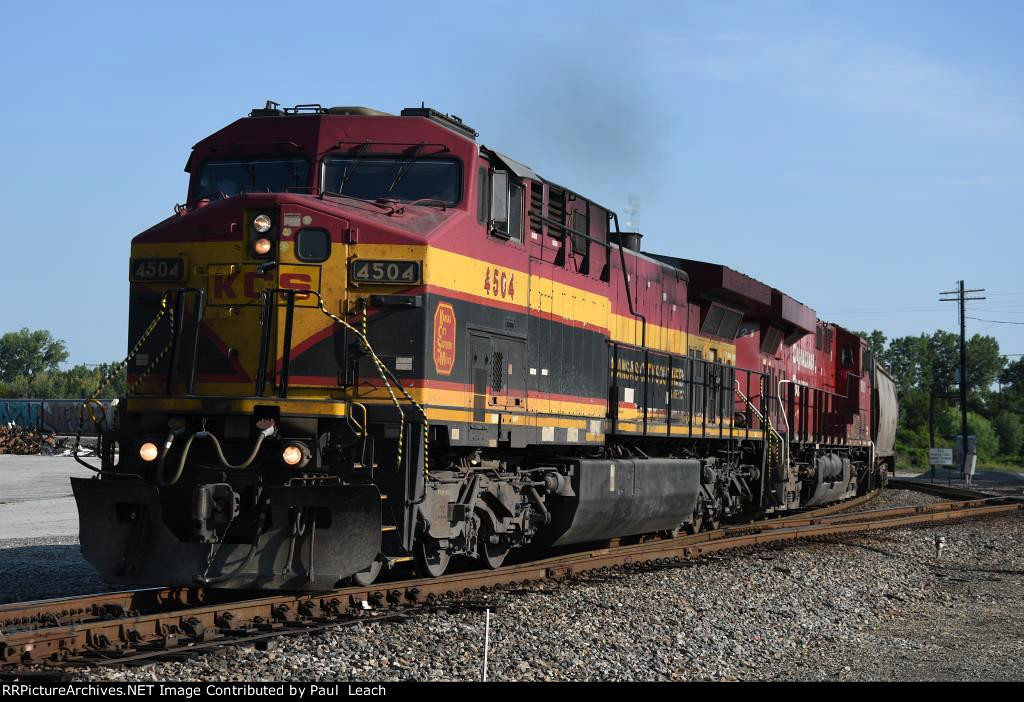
<point x="295" y="455"/>
<point x="148" y="451"/>
<point x="262" y="246"/>
<point x="262" y="223"/>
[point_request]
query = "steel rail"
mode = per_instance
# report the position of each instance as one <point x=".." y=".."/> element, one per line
<point x="83" y="609"/>
<point x="948" y="491"/>
<point x="104" y="606"/>
<point x="130" y="635"/>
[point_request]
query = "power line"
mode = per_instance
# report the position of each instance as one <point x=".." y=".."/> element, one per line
<point x="993" y="321"/>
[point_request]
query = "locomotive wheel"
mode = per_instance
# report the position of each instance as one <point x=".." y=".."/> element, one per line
<point x="367" y="577"/>
<point x="697" y="524"/>
<point x="713" y="515"/>
<point x="698" y="519"/>
<point x="491" y="555"/>
<point x="431" y="560"/>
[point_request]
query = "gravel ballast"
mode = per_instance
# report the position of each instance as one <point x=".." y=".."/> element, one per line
<point x="44" y="567"/>
<point x="876" y="606"/>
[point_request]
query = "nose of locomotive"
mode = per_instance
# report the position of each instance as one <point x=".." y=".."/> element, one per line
<point x="224" y="272"/>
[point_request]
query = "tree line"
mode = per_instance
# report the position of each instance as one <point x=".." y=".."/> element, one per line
<point x="926" y="371"/>
<point x="30" y="363"/>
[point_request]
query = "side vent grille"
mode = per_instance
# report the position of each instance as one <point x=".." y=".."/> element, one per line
<point x="721" y="321"/>
<point x="771" y="338"/>
<point x="536" y="207"/>
<point x="556" y="209"/>
<point x="497" y="371"/>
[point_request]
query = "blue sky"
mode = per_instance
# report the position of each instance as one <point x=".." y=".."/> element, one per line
<point x="860" y="156"/>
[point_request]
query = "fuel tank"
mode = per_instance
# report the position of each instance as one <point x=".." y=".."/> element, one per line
<point x="622" y="497"/>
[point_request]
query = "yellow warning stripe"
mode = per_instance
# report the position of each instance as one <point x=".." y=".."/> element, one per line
<point x="237" y="405"/>
<point x="466" y="275"/>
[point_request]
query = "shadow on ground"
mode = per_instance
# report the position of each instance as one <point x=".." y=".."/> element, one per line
<point x="39" y="571"/>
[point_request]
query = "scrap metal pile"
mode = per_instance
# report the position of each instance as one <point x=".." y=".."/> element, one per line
<point x="29" y="442"/>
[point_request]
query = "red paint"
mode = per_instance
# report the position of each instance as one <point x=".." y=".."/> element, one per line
<point x="296" y="281"/>
<point x="250" y="283"/>
<point x="223" y="286"/>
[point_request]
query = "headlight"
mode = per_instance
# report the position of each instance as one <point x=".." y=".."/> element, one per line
<point x="262" y="246"/>
<point x="262" y="223"/>
<point x="148" y="452"/>
<point x="295" y="455"/>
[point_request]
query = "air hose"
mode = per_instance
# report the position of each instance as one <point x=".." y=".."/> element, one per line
<point x="227" y="576"/>
<point x="223" y="577"/>
<point x="161" y="480"/>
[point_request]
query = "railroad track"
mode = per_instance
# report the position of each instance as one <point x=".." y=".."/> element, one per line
<point x="948" y="491"/>
<point x="125" y="627"/>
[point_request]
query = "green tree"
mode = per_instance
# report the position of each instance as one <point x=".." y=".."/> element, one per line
<point x="907" y="360"/>
<point x="28" y="353"/>
<point x="876" y="342"/>
<point x="942" y="359"/>
<point x="986" y="437"/>
<point x="1013" y="376"/>
<point x="1012" y="379"/>
<point x="984" y="366"/>
<point x="1010" y="430"/>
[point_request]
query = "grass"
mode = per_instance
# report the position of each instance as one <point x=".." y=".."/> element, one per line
<point x="1001" y="467"/>
<point x="916" y="458"/>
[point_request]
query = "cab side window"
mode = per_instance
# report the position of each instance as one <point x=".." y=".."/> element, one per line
<point x="506" y="218"/>
<point x="481" y="195"/>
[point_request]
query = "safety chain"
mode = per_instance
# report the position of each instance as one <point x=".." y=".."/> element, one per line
<point x="382" y="372"/>
<point x="87" y="406"/>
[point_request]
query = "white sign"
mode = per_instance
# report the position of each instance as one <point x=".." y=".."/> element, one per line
<point x="940" y="456"/>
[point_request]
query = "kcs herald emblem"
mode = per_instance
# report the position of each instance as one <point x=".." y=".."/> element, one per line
<point x="444" y="339"/>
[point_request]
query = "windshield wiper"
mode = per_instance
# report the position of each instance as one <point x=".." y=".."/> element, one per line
<point x="403" y="170"/>
<point x="360" y="152"/>
<point x="375" y="203"/>
<point x="426" y="202"/>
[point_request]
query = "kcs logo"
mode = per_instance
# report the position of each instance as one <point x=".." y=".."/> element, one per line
<point x="227" y="287"/>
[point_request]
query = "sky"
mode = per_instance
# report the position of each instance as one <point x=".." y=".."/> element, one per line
<point x="861" y="157"/>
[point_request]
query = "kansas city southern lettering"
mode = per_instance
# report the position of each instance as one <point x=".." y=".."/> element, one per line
<point x="444" y="339"/>
<point x="634" y="370"/>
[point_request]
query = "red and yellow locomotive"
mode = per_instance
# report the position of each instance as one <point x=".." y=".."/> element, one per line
<point x="367" y="339"/>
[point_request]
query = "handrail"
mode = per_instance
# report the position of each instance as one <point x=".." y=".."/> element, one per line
<point x="764" y="421"/>
<point x="625" y="279"/>
<point x="177" y="330"/>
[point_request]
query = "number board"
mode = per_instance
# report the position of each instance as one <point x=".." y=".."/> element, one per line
<point x="386" y="272"/>
<point x="158" y="269"/>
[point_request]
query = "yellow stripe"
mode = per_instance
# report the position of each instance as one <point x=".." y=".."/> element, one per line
<point x="445" y="270"/>
<point x="230" y="405"/>
<point x="465" y="275"/>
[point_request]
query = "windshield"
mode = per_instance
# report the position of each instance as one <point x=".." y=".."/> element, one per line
<point x="394" y="178"/>
<point x="234" y="176"/>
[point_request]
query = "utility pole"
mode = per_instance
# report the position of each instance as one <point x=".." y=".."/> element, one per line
<point x="961" y="297"/>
